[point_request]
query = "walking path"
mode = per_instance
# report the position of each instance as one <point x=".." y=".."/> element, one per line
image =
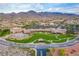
<point x="40" y="46"/>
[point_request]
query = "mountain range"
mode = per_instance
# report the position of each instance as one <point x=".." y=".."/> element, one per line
<point x="33" y="14"/>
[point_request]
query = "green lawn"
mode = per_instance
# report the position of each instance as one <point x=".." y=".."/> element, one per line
<point x="47" y="38"/>
<point x="4" y="32"/>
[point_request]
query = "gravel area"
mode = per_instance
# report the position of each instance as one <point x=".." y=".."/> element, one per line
<point x="14" y="51"/>
<point x="19" y="35"/>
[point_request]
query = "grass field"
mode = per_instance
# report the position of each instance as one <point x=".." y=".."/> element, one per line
<point x="47" y="38"/>
<point x="4" y="32"/>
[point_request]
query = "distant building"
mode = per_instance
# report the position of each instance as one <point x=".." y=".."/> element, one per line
<point x="28" y="31"/>
<point x="58" y="30"/>
<point x="16" y="30"/>
<point x="51" y="24"/>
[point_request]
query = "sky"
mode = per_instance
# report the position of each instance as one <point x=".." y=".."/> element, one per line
<point x="39" y="7"/>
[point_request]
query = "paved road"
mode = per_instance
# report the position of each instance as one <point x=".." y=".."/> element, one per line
<point x="41" y="52"/>
<point x="40" y="46"/>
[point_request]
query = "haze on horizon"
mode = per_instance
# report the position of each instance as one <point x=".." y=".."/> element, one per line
<point x="39" y="7"/>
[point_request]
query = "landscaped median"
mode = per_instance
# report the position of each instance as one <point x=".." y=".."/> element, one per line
<point x="47" y="38"/>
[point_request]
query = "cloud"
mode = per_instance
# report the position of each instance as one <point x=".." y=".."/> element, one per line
<point x="22" y="7"/>
<point x="55" y="9"/>
<point x="73" y="9"/>
<point x="52" y="7"/>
